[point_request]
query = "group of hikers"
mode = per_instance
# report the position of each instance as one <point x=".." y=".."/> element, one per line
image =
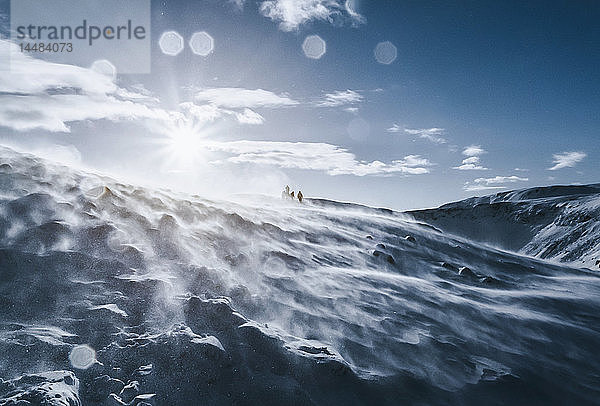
<point x="286" y="194"/>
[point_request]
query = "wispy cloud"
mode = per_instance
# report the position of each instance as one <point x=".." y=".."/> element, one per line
<point x="207" y="113"/>
<point x="473" y="160"/>
<point x="475" y="188"/>
<point x="50" y="96"/>
<point x="471" y="164"/>
<point x="249" y="116"/>
<point x="567" y="160"/>
<point x="340" y="98"/>
<point x="474" y="150"/>
<point x="494" y="183"/>
<point x="240" y="102"/>
<point x="431" y="134"/>
<point x="37" y="94"/>
<point x="291" y="14"/>
<point x="395" y="129"/>
<point x="236" y="97"/>
<point x="332" y="159"/>
<point x="238" y="4"/>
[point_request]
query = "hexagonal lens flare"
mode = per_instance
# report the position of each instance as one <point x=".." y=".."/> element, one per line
<point x="104" y="67"/>
<point x="171" y="43"/>
<point x="386" y="52"/>
<point x="82" y="356"/>
<point x="314" y="47"/>
<point x="202" y="43"/>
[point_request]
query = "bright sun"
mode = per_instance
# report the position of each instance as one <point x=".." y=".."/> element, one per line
<point x="184" y="145"/>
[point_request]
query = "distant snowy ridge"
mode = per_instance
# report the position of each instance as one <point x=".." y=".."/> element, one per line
<point x="555" y="222"/>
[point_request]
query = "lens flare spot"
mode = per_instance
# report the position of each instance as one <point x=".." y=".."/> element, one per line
<point x="82" y="356"/>
<point x="386" y="52"/>
<point x="171" y="43"/>
<point x="314" y="47"/>
<point x="359" y="129"/>
<point x="105" y="68"/>
<point x="202" y="43"/>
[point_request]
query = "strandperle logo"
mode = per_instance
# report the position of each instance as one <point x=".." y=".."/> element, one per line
<point x="82" y="32"/>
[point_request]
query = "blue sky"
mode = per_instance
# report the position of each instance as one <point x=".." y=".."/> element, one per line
<point x="482" y="97"/>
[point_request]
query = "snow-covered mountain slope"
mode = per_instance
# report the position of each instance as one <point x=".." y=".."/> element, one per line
<point x="188" y="301"/>
<point x="557" y="222"/>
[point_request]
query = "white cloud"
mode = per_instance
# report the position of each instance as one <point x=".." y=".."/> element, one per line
<point x="474" y="188"/>
<point x="492" y="183"/>
<point x="37" y="94"/>
<point x="473" y="161"/>
<point x="239" y="4"/>
<point x="500" y="179"/>
<point x="206" y="113"/>
<point x="567" y="160"/>
<point x="340" y="98"/>
<point x="395" y="129"/>
<point x="350" y="6"/>
<point x="30" y="76"/>
<point x="53" y="113"/>
<point x="249" y="116"/>
<point x="474" y="150"/>
<point x="291" y="14"/>
<point x="430" y="134"/>
<point x="328" y="158"/>
<point x="235" y="97"/>
<point x="470" y="167"/>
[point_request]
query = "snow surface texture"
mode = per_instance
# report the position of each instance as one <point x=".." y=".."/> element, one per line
<point x="187" y="301"/>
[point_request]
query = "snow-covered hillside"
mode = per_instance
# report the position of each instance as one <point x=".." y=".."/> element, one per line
<point x="556" y="222"/>
<point x="188" y="301"/>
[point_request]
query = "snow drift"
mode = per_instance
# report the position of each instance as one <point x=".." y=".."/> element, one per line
<point x="188" y="301"/>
